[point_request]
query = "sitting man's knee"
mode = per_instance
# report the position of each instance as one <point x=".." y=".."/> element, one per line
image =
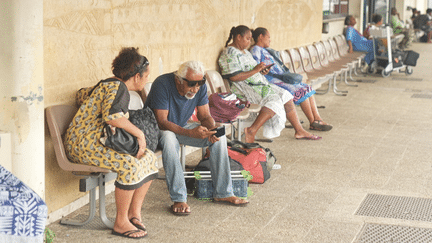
<point x="168" y="139"/>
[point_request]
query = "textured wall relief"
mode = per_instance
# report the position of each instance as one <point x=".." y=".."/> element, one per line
<point x="93" y="22"/>
<point x="291" y="23"/>
<point x="293" y="15"/>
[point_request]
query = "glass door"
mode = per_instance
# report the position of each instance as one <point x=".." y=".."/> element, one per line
<point x="381" y="7"/>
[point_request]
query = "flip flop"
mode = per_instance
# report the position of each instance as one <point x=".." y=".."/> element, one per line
<point x="313" y="137"/>
<point x="140" y="227"/>
<point x="320" y="127"/>
<point x="219" y="201"/>
<point x="179" y="213"/>
<point x="127" y="234"/>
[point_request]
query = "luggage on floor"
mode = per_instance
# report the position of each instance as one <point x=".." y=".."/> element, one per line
<point x="204" y="185"/>
<point x="411" y="58"/>
<point x="253" y="160"/>
<point x="270" y="157"/>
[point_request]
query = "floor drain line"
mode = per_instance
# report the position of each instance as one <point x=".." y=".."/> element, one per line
<point x="396" y="207"/>
<point x="408" y="79"/>
<point x="393" y="233"/>
<point x="414" y="90"/>
<point x="422" y="96"/>
<point x="366" y="80"/>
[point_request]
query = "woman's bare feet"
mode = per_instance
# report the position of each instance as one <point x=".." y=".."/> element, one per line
<point x="303" y="134"/>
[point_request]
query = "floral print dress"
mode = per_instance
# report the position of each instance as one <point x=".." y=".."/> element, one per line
<point x="108" y="100"/>
<point x="255" y="89"/>
<point x="300" y="91"/>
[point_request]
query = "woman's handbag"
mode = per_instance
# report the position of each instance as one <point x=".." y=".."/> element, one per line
<point x="120" y="140"/>
<point x="225" y="107"/>
<point x="145" y="120"/>
<point x="287" y="77"/>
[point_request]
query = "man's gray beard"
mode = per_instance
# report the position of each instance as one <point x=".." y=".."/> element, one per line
<point x="188" y="97"/>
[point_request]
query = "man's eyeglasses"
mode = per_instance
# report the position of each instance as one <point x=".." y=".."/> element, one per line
<point x="194" y="83"/>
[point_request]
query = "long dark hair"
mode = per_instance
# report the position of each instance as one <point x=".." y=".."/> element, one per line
<point x="128" y="63"/>
<point x="235" y="31"/>
<point x="257" y="32"/>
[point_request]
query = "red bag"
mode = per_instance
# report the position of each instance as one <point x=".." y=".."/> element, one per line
<point x="225" y="107"/>
<point x="252" y="160"/>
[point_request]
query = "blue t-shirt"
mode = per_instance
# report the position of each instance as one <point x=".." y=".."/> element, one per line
<point x="164" y="95"/>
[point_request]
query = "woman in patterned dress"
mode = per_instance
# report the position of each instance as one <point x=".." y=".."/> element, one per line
<point x="107" y="103"/>
<point x="303" y="93"/>
<point x="248" y="83"/>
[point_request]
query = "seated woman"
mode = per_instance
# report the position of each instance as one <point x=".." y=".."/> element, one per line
<point x="248" y="83"/>
<point x="279" y="75"/>
<point x="357" y="42"/>
<point x="108" y="103"/>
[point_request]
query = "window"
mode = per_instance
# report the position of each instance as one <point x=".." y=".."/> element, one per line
<point x="335" y="8"/>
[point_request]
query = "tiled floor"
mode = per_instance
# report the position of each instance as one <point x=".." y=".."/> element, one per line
<point x="380" y="143"/>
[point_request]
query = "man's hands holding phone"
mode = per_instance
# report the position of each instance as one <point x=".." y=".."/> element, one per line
<point x="212" y="135"/>
<point x="220" y="131"/>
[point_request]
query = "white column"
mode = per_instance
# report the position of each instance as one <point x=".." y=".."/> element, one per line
<point x="28" y="137"/>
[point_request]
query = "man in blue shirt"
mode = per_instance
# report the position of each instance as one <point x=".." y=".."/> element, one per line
<point x="173" y="98"/>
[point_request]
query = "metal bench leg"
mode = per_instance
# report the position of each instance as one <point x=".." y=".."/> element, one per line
<point x="350" y="72"/>
<point x="335" y="89"/>
<point x="102" y="211"/>
<point x="346" y="79"/>
<point x="183" y="156"/>
<point x="92" y="204"/>
<point x="358" y="67"/>
<point x="322" y="92"/>
<point x="239" y="131"/>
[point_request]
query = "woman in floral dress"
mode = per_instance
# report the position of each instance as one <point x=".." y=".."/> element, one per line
<point x="107" y="103"/>
<point x="280" y="76"/>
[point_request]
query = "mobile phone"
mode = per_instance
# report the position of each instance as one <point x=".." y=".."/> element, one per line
<point x="220" y="131"/>
<point x="269" y="66"/>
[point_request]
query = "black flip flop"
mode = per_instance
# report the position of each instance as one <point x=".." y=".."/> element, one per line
<point x="140" y="227"/>
<point x="128" y="233"/>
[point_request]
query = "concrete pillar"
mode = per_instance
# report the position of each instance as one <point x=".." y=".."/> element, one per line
<point x="26" y="92"/>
